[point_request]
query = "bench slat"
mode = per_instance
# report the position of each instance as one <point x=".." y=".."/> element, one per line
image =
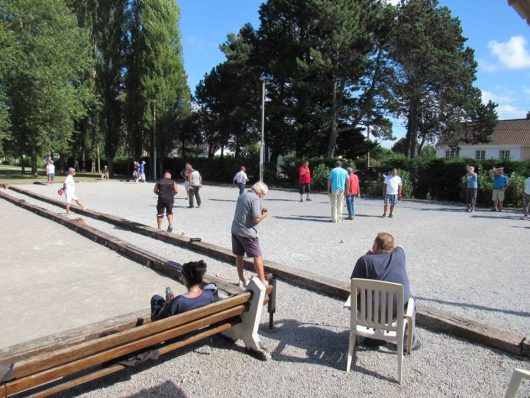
<point x="117" y="367"/>
<point x="36" y="379"/>
<point x="48" y="360"/>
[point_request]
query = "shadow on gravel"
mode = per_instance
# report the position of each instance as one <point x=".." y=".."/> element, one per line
<point x="497" y="216"/>
<point x="281" y="200"/>
<point x="517" y="226"/>
<point x="453" y="209"/>
<point x="167" y="389"/>
<point x="222" y="200"/>
<point x="479" y="307"/>
<point x="302" y="218"/>
<point x="323" y="347"/>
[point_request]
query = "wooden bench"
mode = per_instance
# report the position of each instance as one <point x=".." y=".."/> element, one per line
<point x="61" y="365"/>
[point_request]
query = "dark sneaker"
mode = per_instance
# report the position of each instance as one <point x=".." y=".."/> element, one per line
<point x="170" y="229"/>
<point x="499" y="210"/>
<point x="301" y="200"/>
<point x="383" y="216"/>
<point x="349" y="218"/>
<point x="390" y="215"/>
<point x="494" y="209"/>
<point x="308" y="200"/>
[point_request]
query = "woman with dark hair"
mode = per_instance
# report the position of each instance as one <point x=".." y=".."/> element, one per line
<point x="197" y="296"/>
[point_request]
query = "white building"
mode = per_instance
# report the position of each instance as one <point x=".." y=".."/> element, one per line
<point x="509" y="141"/>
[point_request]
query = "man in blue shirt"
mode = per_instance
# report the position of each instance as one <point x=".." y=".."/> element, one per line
<point x="472" y="188"/>
<point x="337" y="184"/>
<point x="500" y="183"/>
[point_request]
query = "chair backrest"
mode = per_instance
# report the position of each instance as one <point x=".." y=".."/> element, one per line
<point x="378" y="304"/>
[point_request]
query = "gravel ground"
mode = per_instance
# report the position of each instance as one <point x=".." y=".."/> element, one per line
<point x="469" y="264"/>
<point x="308" y="346"/>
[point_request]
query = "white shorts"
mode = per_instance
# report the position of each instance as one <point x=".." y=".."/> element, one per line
<point x="70" y="198"/>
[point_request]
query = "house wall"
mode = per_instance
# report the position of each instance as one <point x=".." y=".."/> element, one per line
<point x="526" y="153"/>
<point x="492" y="152"/>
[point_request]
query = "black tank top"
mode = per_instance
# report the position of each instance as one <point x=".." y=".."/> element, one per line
<point x="165" y="189"/>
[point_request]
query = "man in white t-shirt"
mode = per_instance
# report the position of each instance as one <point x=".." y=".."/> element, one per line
<point x="240" y="179"/>
<point x="195" y="181"/>
<point x="50" y="172"/>
<point x="392" y="191"/>
<point x="526" y="197"/>
<point x="69" y="191"/>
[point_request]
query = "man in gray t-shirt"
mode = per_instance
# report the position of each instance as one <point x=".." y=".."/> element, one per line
<point x="247" y="216"/>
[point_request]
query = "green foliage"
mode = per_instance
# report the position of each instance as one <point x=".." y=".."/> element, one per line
<point x="434" y="75"/>
<point x="320" y="177"/>
<point x="43" y="81"/>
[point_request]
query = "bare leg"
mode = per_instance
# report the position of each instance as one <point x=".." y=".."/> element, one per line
<point x="68" y="208"/>
<point x="159" y="222"/>
<point x="391" y="209"/>
<point x="170" y="219"/>
<point x="258" y="266"/>
<point x="385" y="210"/>
<point x="239" y="266"/>
<point x="500" y="205"/>
<point x="80" y="204"/>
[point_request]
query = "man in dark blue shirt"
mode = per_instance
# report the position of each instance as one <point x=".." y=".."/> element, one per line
<point x="386" y="262"/>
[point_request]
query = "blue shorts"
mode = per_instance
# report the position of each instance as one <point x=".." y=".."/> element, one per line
<point x="391" y="200"/>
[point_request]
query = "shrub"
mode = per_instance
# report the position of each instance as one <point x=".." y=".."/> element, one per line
<point x="320" y="177"/>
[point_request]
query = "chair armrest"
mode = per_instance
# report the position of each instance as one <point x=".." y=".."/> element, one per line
<point x="410" y="308"/>
<point x="347" y="304"/>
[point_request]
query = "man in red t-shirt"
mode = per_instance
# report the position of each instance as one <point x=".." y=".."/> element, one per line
<point x="353" y="191"/>
<point x="304" y="179"/>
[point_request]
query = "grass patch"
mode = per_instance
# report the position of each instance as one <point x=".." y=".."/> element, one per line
<point x="13" y="175"/>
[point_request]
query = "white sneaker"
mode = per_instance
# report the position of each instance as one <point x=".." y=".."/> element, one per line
<point x="243" y="285"/>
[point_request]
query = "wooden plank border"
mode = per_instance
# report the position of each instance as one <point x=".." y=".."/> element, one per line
<point x="430" y="317"/>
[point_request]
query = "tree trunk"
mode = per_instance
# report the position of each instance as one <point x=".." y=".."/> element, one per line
<point x="412" y="130"/>
<point x="34" y="170"/>
<point x="333" y="136"/>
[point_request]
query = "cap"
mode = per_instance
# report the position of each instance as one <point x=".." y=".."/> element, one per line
<point x="243" y="168"/>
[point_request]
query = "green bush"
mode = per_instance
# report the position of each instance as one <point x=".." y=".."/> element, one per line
<point x="320" y="177"/>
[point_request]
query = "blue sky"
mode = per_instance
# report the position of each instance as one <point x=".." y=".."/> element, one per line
<point x="499" y="36"/>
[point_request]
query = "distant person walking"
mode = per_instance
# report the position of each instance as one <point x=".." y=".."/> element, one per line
<point x="247" y="216"/>
<point x="240" y="179"/>
<point x="141" y="171"/>
<point x="392" y="192"/>
<point x="500" y="183"/>
<point x="304" y="180"/>
<point x="195" y="181"/>
<point x="526" y="197"/>
<point x="50" y="171"/>
<point x="136" y="173"/>
<point x="105" y="173"/>
<point x="472" y="188"/>
<point x="166" y="189"/>
<point x="185" y="174"/>
<point x="353" y="191"/>
<point x="69" y="191"/>
<point x="338" y="184"/>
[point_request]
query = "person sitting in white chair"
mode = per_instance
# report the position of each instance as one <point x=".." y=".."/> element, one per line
<point x="386" y="262"/>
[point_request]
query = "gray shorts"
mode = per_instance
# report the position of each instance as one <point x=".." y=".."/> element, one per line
<point x="498" y="195"/>
<point x="526" y="199"/>
<point x="242" y="245"/>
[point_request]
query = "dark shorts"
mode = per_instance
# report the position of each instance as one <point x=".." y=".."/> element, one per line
<point x="162" y="205"/>
<point x="242" y="245"/>
<point x="305" y="188"/>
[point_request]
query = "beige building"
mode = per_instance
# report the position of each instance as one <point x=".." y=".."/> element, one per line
<point x="509" y="141"/>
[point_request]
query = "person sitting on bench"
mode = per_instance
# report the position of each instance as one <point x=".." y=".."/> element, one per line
<point x="197" y="296"/>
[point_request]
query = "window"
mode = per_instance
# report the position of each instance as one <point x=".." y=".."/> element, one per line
<point x="504" y="155"/>
<point x="452" y="153"/>
<point x="480" y="155"/>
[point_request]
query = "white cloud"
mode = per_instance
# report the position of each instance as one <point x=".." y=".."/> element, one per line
<point x="513" y="53"/>
<point x="393" y="2"/>
<point x="508" y="111"/>
<point x="487" y="66"/>
<point x="488" y="95"/>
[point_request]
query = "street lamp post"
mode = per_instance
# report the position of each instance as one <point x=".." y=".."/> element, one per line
<point x="154" y="142"/>
<point x="262" y="144"/>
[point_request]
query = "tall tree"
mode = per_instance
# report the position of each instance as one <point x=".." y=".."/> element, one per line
<point x="44" y="80"/>
<point x="435" y="71"/>
<point x="156" y="77"/>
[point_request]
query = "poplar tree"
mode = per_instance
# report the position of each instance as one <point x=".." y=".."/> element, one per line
<point x="155" y="76"/>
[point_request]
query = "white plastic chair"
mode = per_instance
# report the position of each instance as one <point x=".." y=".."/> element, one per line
<point x="375" y="319"/>
<point x="515" y="382"/>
